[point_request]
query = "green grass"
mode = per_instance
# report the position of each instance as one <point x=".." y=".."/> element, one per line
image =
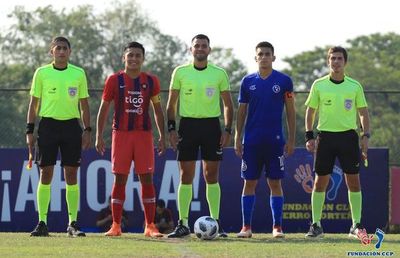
<point x="136" y="245"/>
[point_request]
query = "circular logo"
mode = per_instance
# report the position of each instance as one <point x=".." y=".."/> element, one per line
<point x="276" y="88"/>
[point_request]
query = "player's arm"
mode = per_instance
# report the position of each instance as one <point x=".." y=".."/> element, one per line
<point x="101" y="120"/>
<point x="171" y="115"/>
<point x="240" y="118"/>
<point x="291" y="122"/>
<point x="85" y="116"/>
<point x="309" y="122"/>
<point x="30" y="121"/>
<point x="364" y="120"/>
<point x="159" y="119"/>
<point x="228" y="117"/>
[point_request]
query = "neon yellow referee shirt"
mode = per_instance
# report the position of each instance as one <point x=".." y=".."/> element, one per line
<point x="337" y="104"/>
<point x="59" y="91"/>
<point x="199" y="90"/>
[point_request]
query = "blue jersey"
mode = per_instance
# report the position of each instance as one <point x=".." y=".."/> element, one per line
<point x="266" y="100"/>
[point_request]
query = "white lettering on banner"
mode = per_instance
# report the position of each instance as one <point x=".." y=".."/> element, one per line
<point x="5" y="207"/>
<point x="29" y="178"/>
<point x="92" y="183"/>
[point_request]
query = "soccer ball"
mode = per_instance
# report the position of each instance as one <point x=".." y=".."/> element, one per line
<point x="206" y="228"/>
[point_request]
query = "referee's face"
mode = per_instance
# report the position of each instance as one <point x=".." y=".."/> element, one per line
<point x="200" y="49"/>
<point x="60" y="53"/>
<point x="336" y="62"/>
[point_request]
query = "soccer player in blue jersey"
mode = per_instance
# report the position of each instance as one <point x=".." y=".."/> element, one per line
<point x="262" y="98"/>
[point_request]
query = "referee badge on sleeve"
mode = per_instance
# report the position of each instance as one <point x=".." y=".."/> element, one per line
<point x="348" y="104"/>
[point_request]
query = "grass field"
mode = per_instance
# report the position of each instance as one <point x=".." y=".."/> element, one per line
<point x="136" y="245"/>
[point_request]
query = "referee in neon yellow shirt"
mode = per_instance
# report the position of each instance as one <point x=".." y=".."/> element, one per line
<point x="60" y="87"/>
<point x="338" y="99"/>
<point x="199" y="86"/>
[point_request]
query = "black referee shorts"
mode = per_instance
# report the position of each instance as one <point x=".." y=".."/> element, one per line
<point x="63" y="135"/>
<point x="202" y="134"/>
<point x="341" y="145"/>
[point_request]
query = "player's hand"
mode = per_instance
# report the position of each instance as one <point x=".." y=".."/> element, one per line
<point x="310" y="145"/>
<point x="238" y="148"/>
<point x="173" y="139"/>
<point x="86" y="140"/>
<point x="161" y="146"/>
<point x="225" y="139"/>
<point x="100" y="146"/>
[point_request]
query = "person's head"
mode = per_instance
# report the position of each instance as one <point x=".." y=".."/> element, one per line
<point x="133" y="55"/>
<point x="337" y="59"/>
<point x="264" y="55"/>
<point x="60" y="50"/>
<point x="200" y="47"/>
<point x="160" y="205"/>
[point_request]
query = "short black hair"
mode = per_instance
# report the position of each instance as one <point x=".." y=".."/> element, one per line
<point x="59" y="39"/>
<point x="265" y="44"/>
<point x="134" y="44"/>
<point x="161" y="203"/>
<point x="201" y="36"/>
<point x="338" y="49"/>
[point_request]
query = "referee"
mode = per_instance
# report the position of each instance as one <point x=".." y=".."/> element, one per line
<point x="339" y="99"/>
<point x="60" y="87"/>
<point x="199" y="87"/>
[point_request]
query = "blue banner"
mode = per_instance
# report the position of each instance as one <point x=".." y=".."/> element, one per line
<point x="18" y="193"/>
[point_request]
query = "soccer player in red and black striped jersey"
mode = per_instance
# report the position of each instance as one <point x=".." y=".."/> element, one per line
<point x="132" y="91"/>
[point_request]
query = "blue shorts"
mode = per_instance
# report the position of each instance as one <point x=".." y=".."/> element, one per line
<point x="259" y="157"/>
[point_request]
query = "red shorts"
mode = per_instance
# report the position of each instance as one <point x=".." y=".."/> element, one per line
<point x="128" y="146"/>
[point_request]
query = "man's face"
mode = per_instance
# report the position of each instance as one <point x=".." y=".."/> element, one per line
<point x="133" y="58"/>
<point x="336" y="62"/>
<point x="200" y="49"/>
<point x="264" y="57"/>
<point x="60" y="52"/>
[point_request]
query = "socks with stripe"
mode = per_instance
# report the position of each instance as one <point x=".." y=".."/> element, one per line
<point x="149" y="202"/>
<point x="117" y="202"/>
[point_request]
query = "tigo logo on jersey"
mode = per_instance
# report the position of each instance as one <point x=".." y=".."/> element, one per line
<point x="276" y="88"/>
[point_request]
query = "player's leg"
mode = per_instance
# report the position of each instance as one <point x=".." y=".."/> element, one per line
<point x="188" y="147"/>
<point x="71" y="148"/>
<point x="121" y="159"/>
<point x="45" y="157"/>
<point x="323" y="164"/>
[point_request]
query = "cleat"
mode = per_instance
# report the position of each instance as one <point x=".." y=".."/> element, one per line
<point x="245" y="232"/>
<point x="73" y="230"/>
<point x="180" y="231"/>
<point x="152" y="231"/>
<point x="357" y="231"/>
<point x="315" y="232"/>
<point x="40" y="230"/>
<point x="114" y="231"/>
<point x="277" y="232"/>
<point x="221" y="232"/>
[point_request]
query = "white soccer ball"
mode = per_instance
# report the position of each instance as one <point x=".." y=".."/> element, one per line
<point x="206" y="228"/>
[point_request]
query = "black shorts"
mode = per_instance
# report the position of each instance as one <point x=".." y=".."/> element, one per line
<point x="199" y="133"/>
<point x="63" y="135"/>
<point x="341" y="145"/>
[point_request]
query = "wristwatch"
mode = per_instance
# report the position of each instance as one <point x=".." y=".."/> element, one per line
<point x="366" y="135"/>
<point x="228" y="130"/>
<point x="88" y="129"/>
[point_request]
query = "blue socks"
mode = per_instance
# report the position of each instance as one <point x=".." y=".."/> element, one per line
<point x="276" y="203"/>
<point x="247" y="209"/>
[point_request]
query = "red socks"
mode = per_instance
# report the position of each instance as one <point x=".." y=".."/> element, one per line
<point x="149" y="202"/>
<point x="117" y="202"/>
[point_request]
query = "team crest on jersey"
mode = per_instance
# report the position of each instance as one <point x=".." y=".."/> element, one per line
<point x="210" y="92"/>
<point x="348" y="104"/>
<point x="244" y="165"/>
<point x="144" y="85"/>
<point x="276" y="88"/>
<point x="252" y="87"/>
<point x="72" y="91"/>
